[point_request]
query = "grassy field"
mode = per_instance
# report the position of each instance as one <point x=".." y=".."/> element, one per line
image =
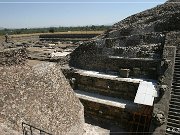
<point x="36" y="35"/>
<point x="69" y="32"/>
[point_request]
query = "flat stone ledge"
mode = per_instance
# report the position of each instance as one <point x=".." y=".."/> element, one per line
<point x="120" y="103"/>
<point x="111" y="77"/>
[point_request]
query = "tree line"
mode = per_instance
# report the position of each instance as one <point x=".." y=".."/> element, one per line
<point x="53" y="29"/>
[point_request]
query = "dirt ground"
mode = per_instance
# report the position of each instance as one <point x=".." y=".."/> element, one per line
<point x="95" y="130"/>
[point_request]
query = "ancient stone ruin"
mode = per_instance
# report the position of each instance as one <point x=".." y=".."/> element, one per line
<point x="130" y="74"/>
<point x="127" y="76"/>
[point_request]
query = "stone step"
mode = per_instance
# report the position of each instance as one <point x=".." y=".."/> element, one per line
<point x="174" y="109"/>
<point x="175" y="102"/>
<point x="175" y="96"/>
<point x="176" y="92"/>
<point x="173" y="116"/>
<point x="114" y="34"/>
<point x="176" y="121"/>
<point x="176" y="78"/>
<point x="177" y="74"/>
<point x="177" y="58"/>
<point x="174" y="89"/>
<point x="174" y="106"/>
<point x="176" y="71"/>
<point x="108" y="92"/>
<point x="169" y="130"/>
<point x="169" y="133"/>
<point x="175" y="99"/>
<point x="134" y="59"/>
<point x="177" y="55"/>
<point x="107" y="85"/>
<point x="177" y="67"/>
<point x="177" y="64"/>
<point x="173" y="124"/>
<point x="174" y="113"/>
<point x="175" y="81"/>
<point x="176" y="86"/>
<point x="108" y="101"/>
<point x="90" y="73"/>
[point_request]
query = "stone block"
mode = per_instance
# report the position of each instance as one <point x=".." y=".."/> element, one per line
<point x="124" y="72"/>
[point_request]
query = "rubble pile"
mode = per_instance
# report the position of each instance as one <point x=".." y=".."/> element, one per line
<point x="39" y="96"/>
<point x="13" y="56"/>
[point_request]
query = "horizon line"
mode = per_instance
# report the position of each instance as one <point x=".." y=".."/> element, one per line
<point x="88" y="2"/>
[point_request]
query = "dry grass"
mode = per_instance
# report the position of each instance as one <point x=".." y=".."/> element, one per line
<point x="70" y="32"/>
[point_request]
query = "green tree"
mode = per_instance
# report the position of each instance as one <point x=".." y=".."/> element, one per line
<point x="51" y="30"/>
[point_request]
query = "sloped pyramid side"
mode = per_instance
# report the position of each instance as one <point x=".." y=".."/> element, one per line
<point x="39" y="96"/>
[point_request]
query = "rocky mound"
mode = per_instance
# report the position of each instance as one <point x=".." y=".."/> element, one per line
<point x="39" y="96"/>
<point x="13" y="56"/>
<point x="165" y="17"/>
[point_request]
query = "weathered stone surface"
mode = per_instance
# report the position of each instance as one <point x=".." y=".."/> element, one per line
<point x="39" y="96"/>
<point x="146" y="44"/>
<point x="13" y="56"/>
<point x="164" y="17"/>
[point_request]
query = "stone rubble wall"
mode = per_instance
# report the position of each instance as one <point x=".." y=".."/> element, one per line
<point x="161" y="18"/>
<point x="112" y="54"/>
<point x="13" y="56"/>
<point x="103" y="86"/>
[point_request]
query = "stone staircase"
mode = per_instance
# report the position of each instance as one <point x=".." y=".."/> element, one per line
<point x="104" y="73"/>
<point x="173" y="121"/>
<point x="110" y="97"/>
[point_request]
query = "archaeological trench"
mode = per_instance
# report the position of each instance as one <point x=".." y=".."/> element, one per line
<point x="128" y="76"/>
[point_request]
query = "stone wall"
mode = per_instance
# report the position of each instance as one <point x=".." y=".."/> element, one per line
<point x="13" y="56"/>
<point x="173" y="39"/>
<point x="161" y="106"/>
<point x="146" y="68"/>
<point x="44" y="36"/>
<point x="107" y="112"/>
<point x="103" y="86"/>
<point x="136" y="52"/>
<point x="110" y="88"/>
<point x="131" y="118"/>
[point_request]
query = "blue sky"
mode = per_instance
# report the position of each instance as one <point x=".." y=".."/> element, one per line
<point x="46" y="13"/>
